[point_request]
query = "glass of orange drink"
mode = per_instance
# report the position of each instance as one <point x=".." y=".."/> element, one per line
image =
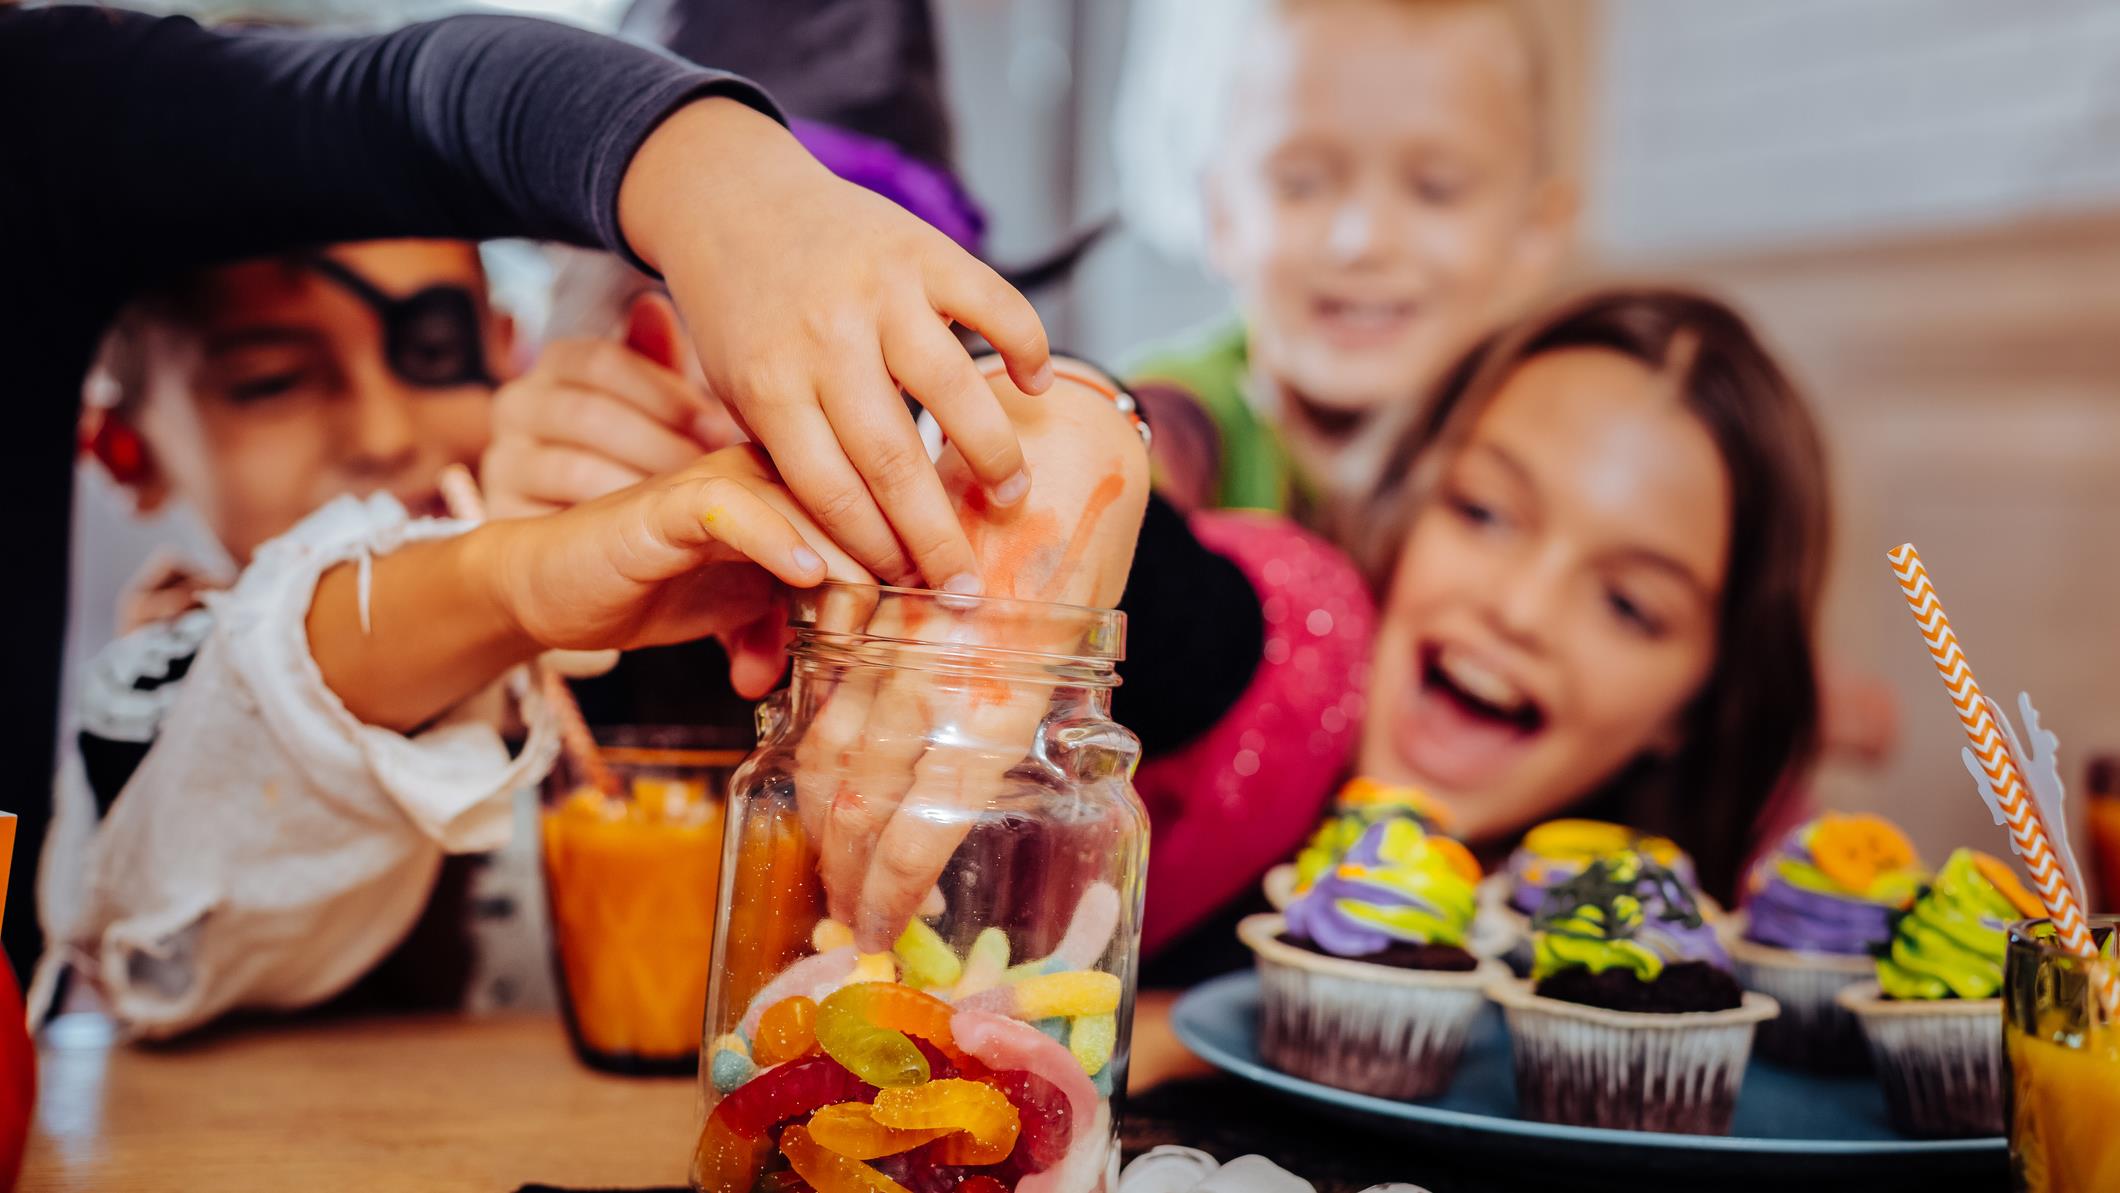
<point x="631" y="878"/>
<point x="2064" y="1061"/>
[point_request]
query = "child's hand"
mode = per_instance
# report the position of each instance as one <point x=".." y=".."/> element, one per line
<point x="812" y="303"/>
<point x="594" y="416"/>
<point x="683" y="556"/>
<point x="886" y="760"/>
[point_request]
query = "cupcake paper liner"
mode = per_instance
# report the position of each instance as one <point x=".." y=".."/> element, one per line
<point x="1347" y="1023"/>
<point x="1939" y="1060"/>
<point x="1813" y="1031"/>
<point x="1592" y="1067"/>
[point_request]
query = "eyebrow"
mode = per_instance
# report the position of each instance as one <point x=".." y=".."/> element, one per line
<point x="264" y="335"/>
<point x="1645" y="556"/>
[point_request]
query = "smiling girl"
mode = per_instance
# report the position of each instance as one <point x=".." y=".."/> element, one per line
<point x="1604" y="545"/>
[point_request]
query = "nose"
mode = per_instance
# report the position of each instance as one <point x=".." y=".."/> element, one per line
<point x="1364" y="225"/>
<point x="381" y="434"/>
<point x="1525" y="598"/>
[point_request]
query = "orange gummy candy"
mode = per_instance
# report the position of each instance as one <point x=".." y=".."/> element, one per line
<point x="827" y="1170"/>
<point x="726" y="1161"/>
<point x="987" y="1121"/>
<point x="786" y="1031"/>
<point x="851" y="1129"/>
<point x="902" y="1008"/>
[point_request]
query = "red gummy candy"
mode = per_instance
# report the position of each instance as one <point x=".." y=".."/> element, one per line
<point x="981" y="1183"/>
<point x="1048" y="1119"/>
<point x="790" y="1091"/>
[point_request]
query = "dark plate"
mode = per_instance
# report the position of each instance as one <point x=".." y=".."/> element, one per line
<point x="1788" y="1123"/>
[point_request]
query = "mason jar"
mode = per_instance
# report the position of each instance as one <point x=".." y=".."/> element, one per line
<point x="930" y="905"/>
<point x="2064" y="1064"/>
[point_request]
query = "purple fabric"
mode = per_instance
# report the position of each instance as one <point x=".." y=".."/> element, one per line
<point x="1787" y="916"/>
<point x="927" y="191"/>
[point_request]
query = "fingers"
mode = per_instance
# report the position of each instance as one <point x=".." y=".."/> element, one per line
<point x="886" y="449"/>
<point x="608" y="368"/>
<point x="597" y="421"/>
<point x="695" y="512"/>
<point x="525" y="476"/>
<point x="929" y="362"/>
<point x="807" y="452"/>
<point x="914" y="848"/>
<point x="652" y="329"/>
<point x="966" y="290"/>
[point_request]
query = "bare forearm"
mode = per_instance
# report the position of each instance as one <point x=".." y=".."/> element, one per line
<point x="435" y="635"/>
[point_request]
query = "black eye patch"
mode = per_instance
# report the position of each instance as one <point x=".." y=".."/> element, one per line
<point x="431" y="337"/>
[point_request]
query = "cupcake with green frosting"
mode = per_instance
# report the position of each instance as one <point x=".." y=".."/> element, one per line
<point x="1366" y="983"/>
<point x="1631" y="1018"/>
<point x="1358" y="805"/>
<point x="1933" y="1016"/>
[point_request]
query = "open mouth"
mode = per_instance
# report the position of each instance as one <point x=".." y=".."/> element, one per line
<point x="1464" y="724"/>
<point x="1365" y="320"/>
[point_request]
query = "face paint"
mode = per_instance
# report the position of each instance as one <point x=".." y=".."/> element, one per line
<point x="431" y="338"/>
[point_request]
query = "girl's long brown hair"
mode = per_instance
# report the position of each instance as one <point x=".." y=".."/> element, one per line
<point x="1753" y="727"/>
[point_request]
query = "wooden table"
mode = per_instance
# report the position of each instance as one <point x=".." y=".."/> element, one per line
<point x="429" y="1104"/>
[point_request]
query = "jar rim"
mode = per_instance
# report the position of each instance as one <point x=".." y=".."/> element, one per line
<point x="1095" y="635"/>
<point x="2025" y="933"/>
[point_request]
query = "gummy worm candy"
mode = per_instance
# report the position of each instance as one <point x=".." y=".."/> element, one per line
<point x="1090" y="932"/>
<point x="803" y="977"/>
<point x="1091" y="1038"/>
<point x="1072" y="994"/>
<point x="830" y="934"/>
<point x="981" y="1183"/>
<point x="827" y="1170"/>
<point x="927" y="958"/>
<point x="787" y="1030"/>
<point x="983" y="963"/>
<point x="1047" y="1119"/>
<point x="849" y="1031"/>
<point x="724" y="1159"/>
<point x="851" y="1129"/>
<point x="874" y="967"/>
<point x="987" y="1120"/>
<point x="789" y="1091"/>
<point x="1003" y="1043"/>
<point x="902" y="1008"/>
<point x="1084" y="1165"/>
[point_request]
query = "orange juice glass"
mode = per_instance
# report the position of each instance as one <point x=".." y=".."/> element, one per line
<point x="2064" y="1059"/>
<point x="630" y="882"/>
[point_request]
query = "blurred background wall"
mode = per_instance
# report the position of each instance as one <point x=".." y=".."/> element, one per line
<point x="1918" y="201"/>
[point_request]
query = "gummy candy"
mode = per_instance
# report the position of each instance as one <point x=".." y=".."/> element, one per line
<point x="983" y="963"/>
<point x="827" y="1170"/>
<point x="1045" y="1115"/>
<point x="1090" y="1038"/>
<point x="788" y="1091"/>
<point x="1101" y="1081"/>
<point x="830" y="934"/>
<point x="850" y="1031"/>
<point x="826" y="970"/>
<point x="1052" y="1025"/>
<point x="787" y="1030"/>
<point x="851" y="1129"/>
<point x="902" y="1008"/>
<point x="987" y="1120"/>
<point x="874" y="967"/>
<point x="783" y="1181"/>
<point x="730" y="1069"/>
<point x="725" y="1159"/>
<point x="926" y="957"/>
<point x="1085" y="1162"/>
<point x="1003" y="1043"/>
<point x="1078" y="992"/>
<point x="981" y="1183"/>
<point x="1090" y="932"/>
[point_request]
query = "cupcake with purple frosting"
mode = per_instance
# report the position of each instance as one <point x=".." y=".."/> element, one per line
<point x="1817" y="910"/>
<point x="1631" y="1018"/>
<point x="1366" y="982"/>
<point x="1551" y="854"/>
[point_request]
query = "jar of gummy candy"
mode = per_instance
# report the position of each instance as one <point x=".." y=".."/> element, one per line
<point x="930" y="907"/>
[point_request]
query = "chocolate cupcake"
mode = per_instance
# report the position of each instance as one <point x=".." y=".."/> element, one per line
<point x="1817" y="909"/>
<point x="1551" y="854"/>
<point x="1366" y="984"/>
<point x="1933" y="1017"/>
<point x="1631" y="1018"/>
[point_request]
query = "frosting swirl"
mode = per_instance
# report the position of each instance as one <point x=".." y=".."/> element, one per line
<point x="1397" y="885"/>
<point x="1626" y="911"/>
<point x="1360" y="804"/>
<point x="1558" y="850"/>
<point x="1951" y="943"/>
<point x="1832" y="886"/>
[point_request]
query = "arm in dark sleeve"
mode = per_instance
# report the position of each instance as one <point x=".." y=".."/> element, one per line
<point x="1194" y="634"/>
<point x="153" y="143"/>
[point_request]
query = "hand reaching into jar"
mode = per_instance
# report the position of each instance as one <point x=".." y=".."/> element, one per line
<point x="895" y="756"/>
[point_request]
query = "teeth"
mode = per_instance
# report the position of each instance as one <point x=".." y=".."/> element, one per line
<point x="1481" y="683"/>
<point x="1378" y="314"/>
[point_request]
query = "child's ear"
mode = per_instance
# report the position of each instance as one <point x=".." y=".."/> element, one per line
<point x="113" y="441"/>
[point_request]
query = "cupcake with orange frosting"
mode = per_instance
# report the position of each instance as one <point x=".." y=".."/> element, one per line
<point x="1817" y="908"/>
<point x="1358" y="805"/>
<point x="1933" y="1016"/>
<point x="1366" y="983"/>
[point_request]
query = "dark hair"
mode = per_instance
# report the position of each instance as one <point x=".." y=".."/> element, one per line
<point x="1754" y="724"/>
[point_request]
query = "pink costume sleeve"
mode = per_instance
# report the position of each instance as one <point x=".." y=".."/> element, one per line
<point x="1246" y="793"/>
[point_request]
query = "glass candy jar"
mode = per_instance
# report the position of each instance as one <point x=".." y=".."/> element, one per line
<point x="2064" y="1062"/>
<point x="930" y="906"/>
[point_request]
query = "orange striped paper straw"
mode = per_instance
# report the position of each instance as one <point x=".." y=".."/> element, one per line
<point x="2026" y="829"/>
